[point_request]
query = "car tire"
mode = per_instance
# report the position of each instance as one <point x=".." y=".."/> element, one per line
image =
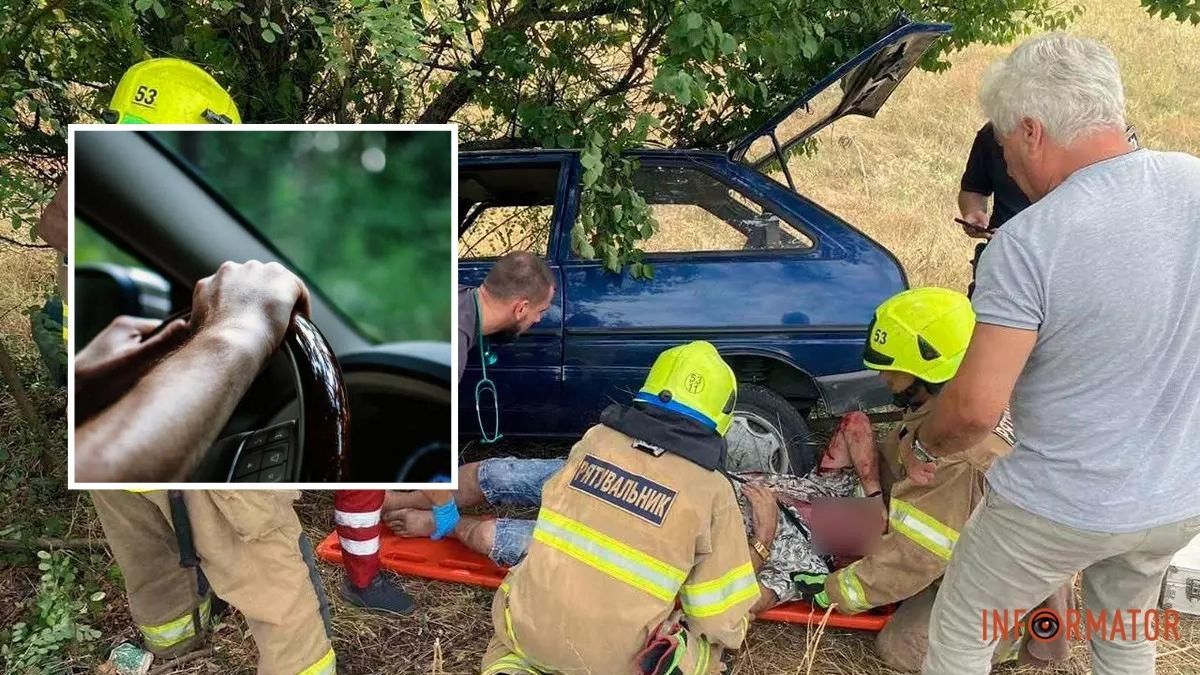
<point x="768" y="434"/>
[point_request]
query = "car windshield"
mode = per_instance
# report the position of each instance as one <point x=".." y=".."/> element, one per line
<point x="364" y="216"/>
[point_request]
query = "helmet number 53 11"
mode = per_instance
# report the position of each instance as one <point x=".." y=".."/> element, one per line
<point x="145" y="95"/>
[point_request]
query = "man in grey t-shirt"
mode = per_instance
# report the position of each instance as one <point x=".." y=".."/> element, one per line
<point x="1088" y="306"/>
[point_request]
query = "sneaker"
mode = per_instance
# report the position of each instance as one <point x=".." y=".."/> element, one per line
<point x="381" y="595"/>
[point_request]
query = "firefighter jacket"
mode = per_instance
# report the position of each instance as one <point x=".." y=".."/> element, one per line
<point x="923" y="520"/>
<point x="622" y="533"/>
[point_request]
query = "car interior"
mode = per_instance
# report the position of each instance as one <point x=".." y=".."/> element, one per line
<point x="330" y="406"/>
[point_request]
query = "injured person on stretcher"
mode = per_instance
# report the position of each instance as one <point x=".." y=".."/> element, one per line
<point x="775" y="509"/>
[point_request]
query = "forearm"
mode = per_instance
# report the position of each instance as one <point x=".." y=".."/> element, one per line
<point x="158" y="430"/>
<point x="971" y="201"/>
<point x="952" y="427"/>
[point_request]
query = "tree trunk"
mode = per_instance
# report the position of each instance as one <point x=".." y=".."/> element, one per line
<point x="9" y="371"/>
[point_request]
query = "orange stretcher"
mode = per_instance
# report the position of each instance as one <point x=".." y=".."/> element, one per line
<point x="449" y="560"/>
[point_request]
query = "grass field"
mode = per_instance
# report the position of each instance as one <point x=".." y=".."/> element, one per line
<point x="896" y="177"/>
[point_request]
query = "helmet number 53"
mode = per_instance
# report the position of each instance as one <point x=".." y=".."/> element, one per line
<point x="145" y="95"/>
<point x="880" y="336"/>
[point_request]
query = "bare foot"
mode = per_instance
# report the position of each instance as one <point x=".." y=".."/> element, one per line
<point x="405" y="500"/>
<point x="410" y="522"/>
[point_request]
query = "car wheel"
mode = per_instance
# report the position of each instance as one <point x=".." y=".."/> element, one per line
<point x="767" y="434"/>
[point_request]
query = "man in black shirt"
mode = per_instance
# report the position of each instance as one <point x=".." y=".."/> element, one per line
<point x="987" y="175"/>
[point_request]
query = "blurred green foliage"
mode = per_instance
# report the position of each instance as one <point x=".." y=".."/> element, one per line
<point x="363" y="216"/>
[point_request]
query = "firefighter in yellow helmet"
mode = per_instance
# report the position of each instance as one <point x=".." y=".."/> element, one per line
<point x="639" y="515"/>
<point x="247" y="547"/>
<point x="917" y="341"/>
<point x="155" y="91"/>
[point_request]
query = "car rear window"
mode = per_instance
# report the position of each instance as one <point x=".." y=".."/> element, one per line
<point x="694" y="212"/>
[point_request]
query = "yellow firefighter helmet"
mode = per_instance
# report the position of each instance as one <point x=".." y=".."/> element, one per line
<point x="170" y="91"/>
<point x="923" y="332"/>
<point x="693" y="380"/>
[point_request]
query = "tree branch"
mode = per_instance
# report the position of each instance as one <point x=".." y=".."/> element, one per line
<point x="597" y="10"/>
<point x="22" y="244"/>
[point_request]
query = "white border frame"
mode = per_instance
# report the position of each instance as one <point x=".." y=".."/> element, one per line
<point x="72" y="484"/>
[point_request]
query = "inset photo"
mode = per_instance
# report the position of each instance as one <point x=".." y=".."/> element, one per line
<point x="261" y="306"/>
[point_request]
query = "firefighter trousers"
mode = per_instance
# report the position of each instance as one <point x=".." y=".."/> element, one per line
<point x="253" y="554"/>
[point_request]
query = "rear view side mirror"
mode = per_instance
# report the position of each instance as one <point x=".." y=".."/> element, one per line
<point x="103" y="292"/>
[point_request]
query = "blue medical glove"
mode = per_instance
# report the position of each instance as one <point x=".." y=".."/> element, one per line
<point x="445" y="517"/>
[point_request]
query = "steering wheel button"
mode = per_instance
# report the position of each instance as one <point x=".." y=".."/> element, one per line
<point x="273" y="475"/>
<point x="273" y="457"/>
<point x="248" y="463"/>
<point x="256" y="441"/>
<point x="248" y="478"/>
<point x="278" y="434"/>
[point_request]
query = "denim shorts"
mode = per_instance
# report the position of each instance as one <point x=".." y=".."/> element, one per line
<point x="508" y="481"/>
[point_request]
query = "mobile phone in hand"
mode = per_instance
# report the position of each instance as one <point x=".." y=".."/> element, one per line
<point x="973" y="226"/>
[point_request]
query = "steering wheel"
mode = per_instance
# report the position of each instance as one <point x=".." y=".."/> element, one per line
<point x="314" y="447"/>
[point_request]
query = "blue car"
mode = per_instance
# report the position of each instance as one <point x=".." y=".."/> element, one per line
<point x="782" y="287"/>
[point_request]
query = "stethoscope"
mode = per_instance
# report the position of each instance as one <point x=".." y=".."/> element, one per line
<point x="487" y="357"/>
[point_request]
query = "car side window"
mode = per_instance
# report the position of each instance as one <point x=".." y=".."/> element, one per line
<point x="496" y="230"/>
<point x="694" y="212"/>
<point x="502" y="209"/>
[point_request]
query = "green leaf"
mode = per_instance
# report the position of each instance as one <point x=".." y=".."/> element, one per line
<point x="275" y="27"/>
<point x="617" y="213"/>
<point x="97" y="596"/>
<point x="142" y="5"/>
<point x="693" y="20"/>
<point x="44" y="555"/>
<point x="159" y="10"/>
<point x="268" y="36"/>
<point x="611" y="262"/>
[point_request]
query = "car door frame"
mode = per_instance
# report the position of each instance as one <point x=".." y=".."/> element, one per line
<point x="566" y="205"/>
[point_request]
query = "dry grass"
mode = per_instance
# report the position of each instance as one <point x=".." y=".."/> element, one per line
<point x="26" y="276"/>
